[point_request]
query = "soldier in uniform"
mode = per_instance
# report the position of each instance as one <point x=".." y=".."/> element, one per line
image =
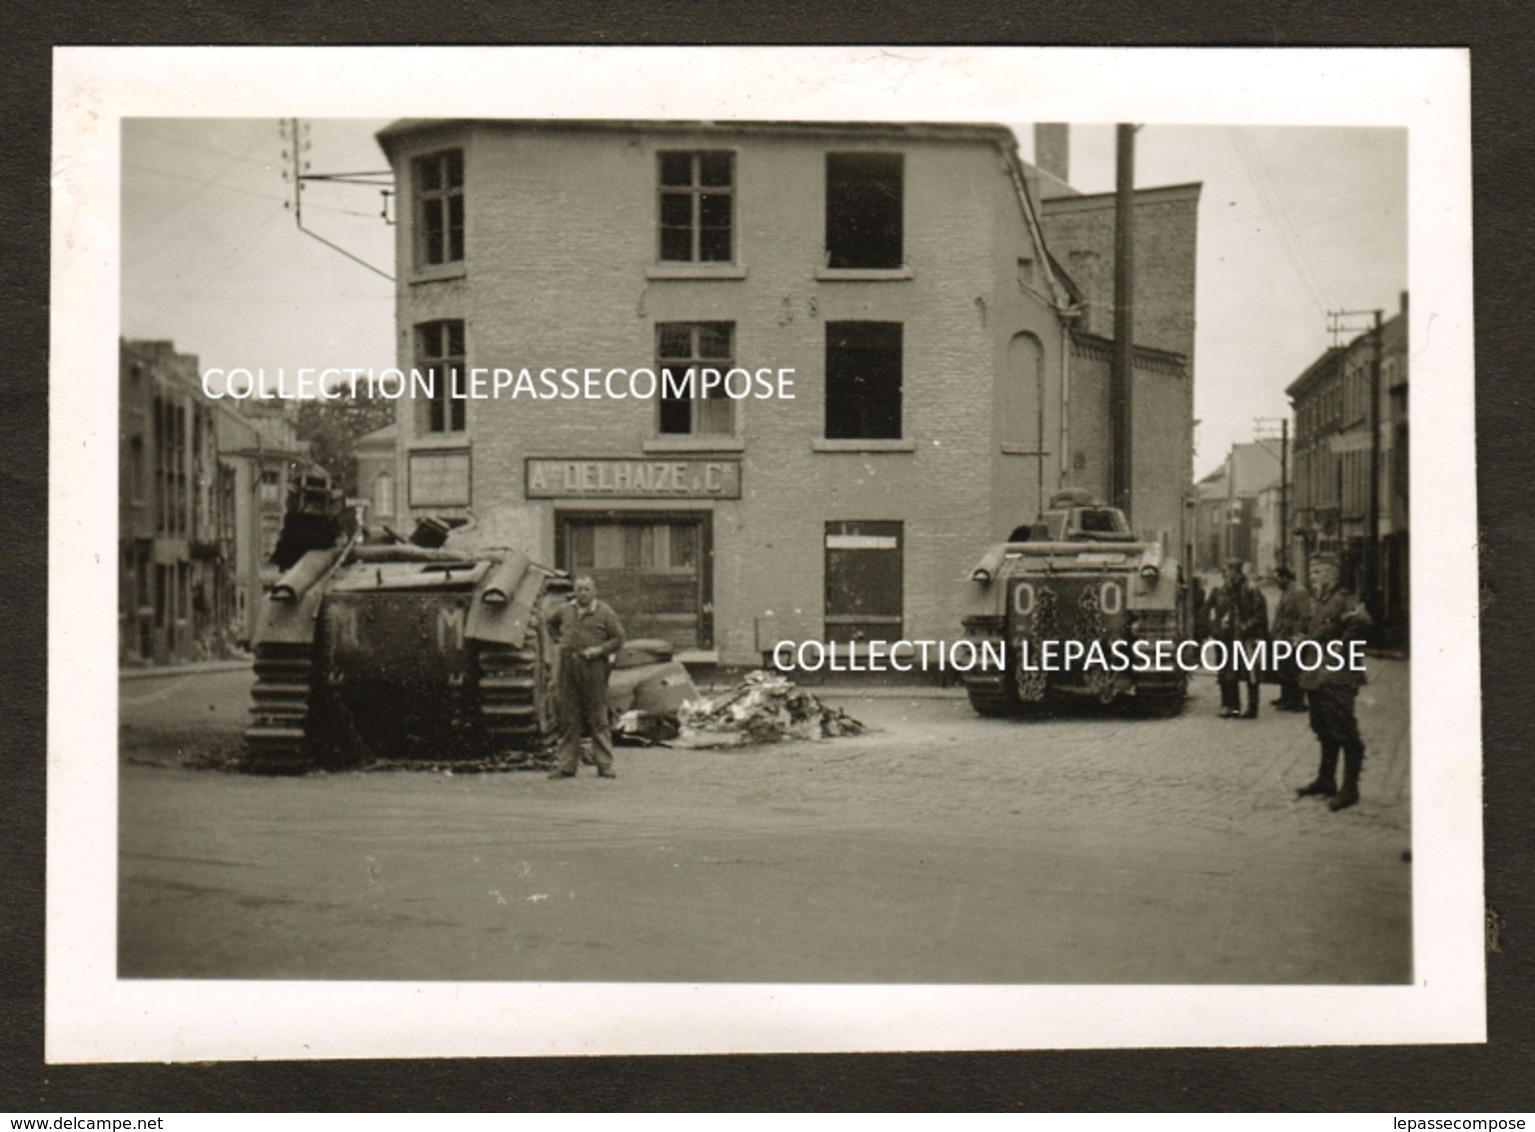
<point x="1336" y="615"/>
<point x="589" y="634"/>
<point x="1291" y="618"/>
<point x="1238" y="615"/>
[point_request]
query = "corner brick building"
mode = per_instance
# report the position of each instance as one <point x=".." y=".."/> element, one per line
<point x="948" y="373"/>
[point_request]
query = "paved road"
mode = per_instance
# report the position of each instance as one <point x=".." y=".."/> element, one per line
<point x="941" y="848"/>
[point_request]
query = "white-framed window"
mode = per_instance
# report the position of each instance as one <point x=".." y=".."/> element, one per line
<point x="682" y="347"/>
<point x="439" y="214"/>
<point x="697" y="201"/>
<point x="440" y="353"/>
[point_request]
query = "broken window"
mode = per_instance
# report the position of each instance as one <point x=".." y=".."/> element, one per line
<point x="863" y="380"/>
<point x="697" y="206"/>
<point x="439" y="181"/>
<point x="440" y="353"/>
<point x="686" y="409"/>
<point x="864" y="205"/>
<point x="863" y="580"/>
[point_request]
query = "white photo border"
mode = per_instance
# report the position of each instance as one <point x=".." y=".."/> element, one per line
<point x="92" y="1016"/>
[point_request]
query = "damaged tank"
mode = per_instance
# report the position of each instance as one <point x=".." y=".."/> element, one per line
<point x="1072" y="604"/>
<point x="413" y="653"/>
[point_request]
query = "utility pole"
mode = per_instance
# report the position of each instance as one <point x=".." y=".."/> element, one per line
<point x="1263" y="430"/>
<point x="1282" y="546"/>
<point x="1122" y="371"/>
<point x="1231" y="515"/>
<point x="1372" y="545"/>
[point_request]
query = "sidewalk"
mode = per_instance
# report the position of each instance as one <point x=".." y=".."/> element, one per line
<point x="191" y="668"/>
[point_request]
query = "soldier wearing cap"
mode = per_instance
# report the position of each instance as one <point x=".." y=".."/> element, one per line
<point x="1336" y="615"/>
<point x="1238" y="615"/>
<point x="1291" y="617"/>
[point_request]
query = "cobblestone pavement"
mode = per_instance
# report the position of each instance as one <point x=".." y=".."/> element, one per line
<point x="939" y="847"/>
<point x="1194" y="771"/>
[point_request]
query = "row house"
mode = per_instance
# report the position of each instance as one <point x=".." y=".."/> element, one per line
<point x="260" y="451"/>
<point x="1237" y="506"/>
<point x="1336" y="450"/>
<point x="172" y="501"/>
<point x="200" y="503"/>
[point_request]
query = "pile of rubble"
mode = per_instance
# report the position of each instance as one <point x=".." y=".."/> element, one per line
<point x="763" y="708"/>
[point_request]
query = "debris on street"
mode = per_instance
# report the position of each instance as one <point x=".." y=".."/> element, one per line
<point x="763" y="707"/>
<point x="541" y="759"/>
<point x="643" y="728"/>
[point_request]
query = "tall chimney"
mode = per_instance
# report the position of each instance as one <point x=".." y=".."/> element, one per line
<point x="1052" y="149"/>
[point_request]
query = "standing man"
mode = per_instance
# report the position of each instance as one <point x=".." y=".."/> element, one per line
<point x="589" y="634"/>
<point x="1336" y="615"/>
<point x="1291" y="618"/>
<point x="1238" y="615"/>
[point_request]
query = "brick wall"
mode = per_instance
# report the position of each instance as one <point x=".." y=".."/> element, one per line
<point x="561" y="270"/>
<point x="1080" y="233"/>
<point x="1161" y="438"/>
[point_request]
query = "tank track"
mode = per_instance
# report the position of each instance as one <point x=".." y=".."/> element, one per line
<point x="992" y="693"/>
<point x="508" y="706"/>
<point x="1161" y="693"/>
<point x="277" y="741"/>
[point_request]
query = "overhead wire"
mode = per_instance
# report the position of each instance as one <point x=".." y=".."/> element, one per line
<point x="1262" y="182"/>
<point x="1275" y="210"/>
<point x="244" y="155"/>
<point x="204" y="182"/>
<point x="238" y="249"/>
<point x="203" y="226"/>
<point x="191" y="215"/>
<point x="1291" y="227"/>
<point x="209" y="206"/>
<point x="207" y="183"/>
<point x="181" y="287"/>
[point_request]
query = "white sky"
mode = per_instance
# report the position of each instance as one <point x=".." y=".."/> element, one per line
<point x="1293" y="222"/>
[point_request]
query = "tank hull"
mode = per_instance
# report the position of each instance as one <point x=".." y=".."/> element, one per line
<point x="1076" y="619"/>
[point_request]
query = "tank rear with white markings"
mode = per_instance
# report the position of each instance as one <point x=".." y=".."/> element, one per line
<point x="1077" y="604"/>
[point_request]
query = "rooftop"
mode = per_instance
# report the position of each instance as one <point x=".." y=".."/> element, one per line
<point x="921" y="131"/>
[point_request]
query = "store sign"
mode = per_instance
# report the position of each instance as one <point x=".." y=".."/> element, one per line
<point x="439" y="479"/>
<point x="633" y="479"/>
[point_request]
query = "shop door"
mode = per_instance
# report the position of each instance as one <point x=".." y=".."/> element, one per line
<point x="654" y="571"/>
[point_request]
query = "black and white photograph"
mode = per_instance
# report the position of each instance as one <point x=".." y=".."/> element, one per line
<point x="701" y="550"/>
